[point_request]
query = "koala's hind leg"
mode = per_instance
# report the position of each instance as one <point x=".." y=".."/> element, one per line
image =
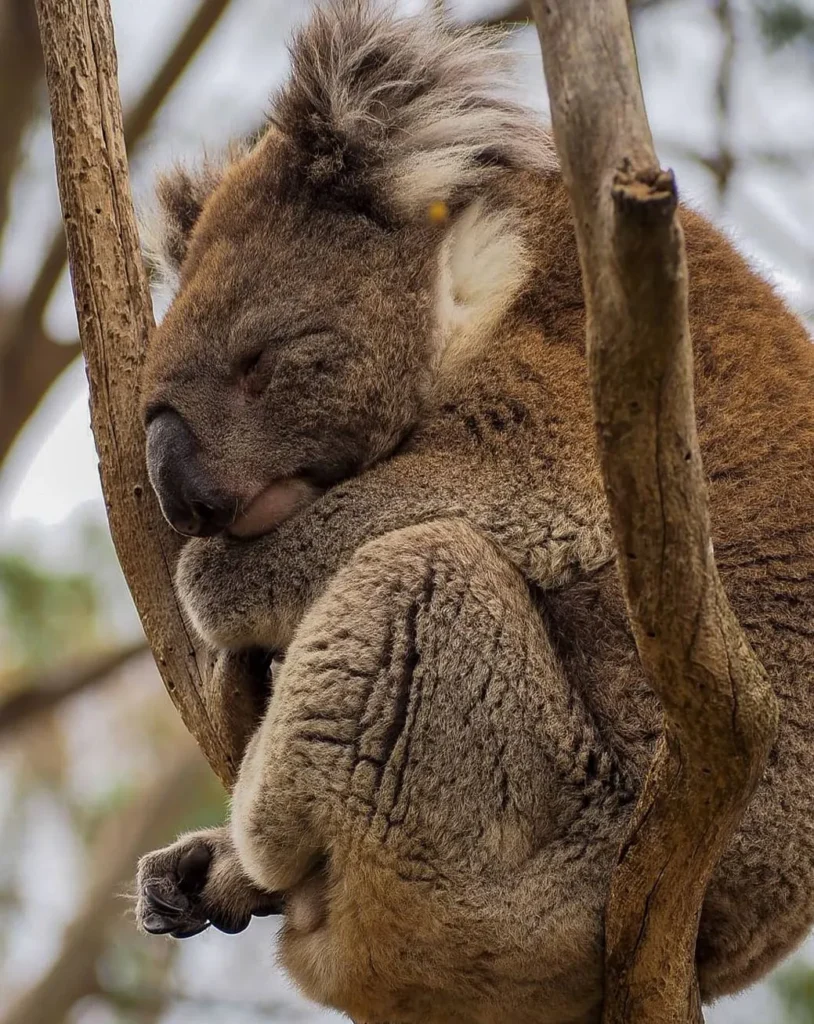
<point x="418" y="789"/>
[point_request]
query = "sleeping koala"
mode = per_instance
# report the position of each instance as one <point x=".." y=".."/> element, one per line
<point x="368" y="408"/>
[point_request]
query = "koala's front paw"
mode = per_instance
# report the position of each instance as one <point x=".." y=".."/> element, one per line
<point x="197" y="882"/>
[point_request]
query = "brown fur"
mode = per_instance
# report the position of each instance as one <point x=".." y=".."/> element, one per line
<point x="461" y="725"/>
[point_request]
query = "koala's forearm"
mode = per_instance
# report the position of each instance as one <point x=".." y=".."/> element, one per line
<point x="255" y="593"/>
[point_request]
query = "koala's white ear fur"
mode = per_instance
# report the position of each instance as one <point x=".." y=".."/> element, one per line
<point x="167" y="224"/>
<point x="391" y="114"/>
<point x="483" y="264"/>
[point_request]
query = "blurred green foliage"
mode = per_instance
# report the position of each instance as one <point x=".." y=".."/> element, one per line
<point x="44" y="616"/>
<point x="784" y="22"/>
<point x="795" y="988"/>
<point x="49" y="616"/>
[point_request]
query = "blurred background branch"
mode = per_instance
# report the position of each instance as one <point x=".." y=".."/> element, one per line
<point x="20" y="81"/>
<point x="722" y="163"/>
<point x="30" y="360"/>
<point x="45" y="693"/>
<point x="148" y="823"/>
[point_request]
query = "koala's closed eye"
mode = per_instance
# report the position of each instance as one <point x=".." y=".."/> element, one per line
<point x="254" y="370"/>
<point x="306" y="349"/>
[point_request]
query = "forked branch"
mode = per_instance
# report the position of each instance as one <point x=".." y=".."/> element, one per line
<point x="720" y="714"/>
<point x="115" y="318"/>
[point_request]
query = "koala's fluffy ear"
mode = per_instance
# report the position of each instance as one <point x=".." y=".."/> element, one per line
<point x="389" y="115"/>
<point x="180" y="194"/>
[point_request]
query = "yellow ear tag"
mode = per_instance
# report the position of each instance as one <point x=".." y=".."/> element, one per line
<point x="438" y="212"/>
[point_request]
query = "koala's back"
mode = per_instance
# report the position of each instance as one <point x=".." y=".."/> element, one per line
<point x="755" y="399"/>
<point x="754" y="386"/>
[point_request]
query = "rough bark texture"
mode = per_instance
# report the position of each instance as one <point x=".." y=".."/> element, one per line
<point x="115" y="318"/>
<point x="720" y="712"/>
<point x="30" y="361"/>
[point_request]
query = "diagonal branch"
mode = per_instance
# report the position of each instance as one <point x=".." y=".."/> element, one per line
<point x="720" y="712"/>
<point x="28" y="368"/>
<point x="30" y="361"/>
<point x="48" y="692"/>
<point x="115" y="319"/>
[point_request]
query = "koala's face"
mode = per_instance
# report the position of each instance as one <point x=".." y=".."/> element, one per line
<point x="295" y="353"/>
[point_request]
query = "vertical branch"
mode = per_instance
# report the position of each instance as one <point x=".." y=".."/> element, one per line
<point x="115" y="318"/>
<point x="20" y="78"/>
<point x="723" y="162"/>
<point x="29" y="360"/>
<point x="720" y="712"/>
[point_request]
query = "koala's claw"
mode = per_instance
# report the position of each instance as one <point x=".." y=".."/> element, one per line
<point x="161" y="917"/>
<point x="195" y="883"/>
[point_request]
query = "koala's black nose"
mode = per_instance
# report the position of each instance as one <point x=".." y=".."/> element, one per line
<point x="191" y="502"/>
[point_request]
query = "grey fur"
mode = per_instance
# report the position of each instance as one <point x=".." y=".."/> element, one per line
<point x="461" y="725"/>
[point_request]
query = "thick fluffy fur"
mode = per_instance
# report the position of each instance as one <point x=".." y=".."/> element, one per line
<point x="461" y="725"/>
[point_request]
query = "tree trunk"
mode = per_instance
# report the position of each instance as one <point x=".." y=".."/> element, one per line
<point x="720" y="714"/>
<point x="115" y="319"/>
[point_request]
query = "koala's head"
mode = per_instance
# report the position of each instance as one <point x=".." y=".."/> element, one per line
<point x="323" y="271"/>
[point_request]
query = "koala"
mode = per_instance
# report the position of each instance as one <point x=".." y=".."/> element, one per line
<point x="367" y="409"/>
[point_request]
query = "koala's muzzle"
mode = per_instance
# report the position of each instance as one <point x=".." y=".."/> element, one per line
<point x="191" y="502"/>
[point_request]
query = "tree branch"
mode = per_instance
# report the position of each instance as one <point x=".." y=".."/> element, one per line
<point x="46" y="693"/>
<point x="723" y="165"/>
<point x="28" y="368"/>
<point x="30" y="361"/>
<point x="720" y="712"/>
<point x="115" y="318"/>
<point x="20" y="76"/>
<point x="520" y="12"/>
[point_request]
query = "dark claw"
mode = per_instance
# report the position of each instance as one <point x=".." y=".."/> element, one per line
<point x="160" y="903"/>
<point x="272" y="905"/>
<point x="189" y="933"/>
<point x="193" y="868"/>
<point x="155" y="924"/>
